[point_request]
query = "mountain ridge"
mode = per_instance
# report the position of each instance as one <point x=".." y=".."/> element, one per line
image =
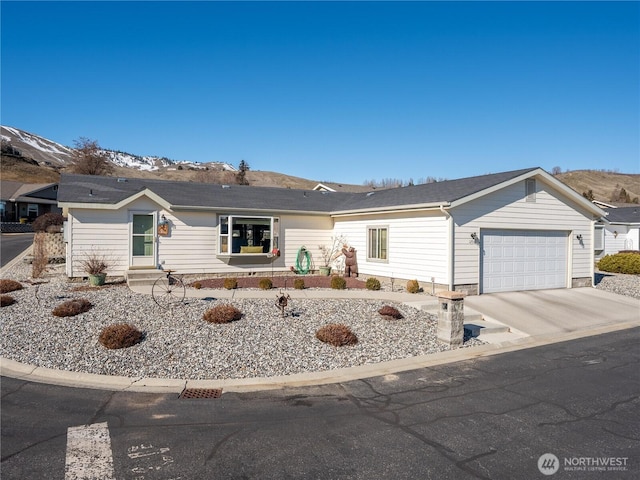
<point x="30" y="158"/>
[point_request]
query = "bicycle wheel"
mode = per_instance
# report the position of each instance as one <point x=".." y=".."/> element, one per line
<point x="168" y="291"/>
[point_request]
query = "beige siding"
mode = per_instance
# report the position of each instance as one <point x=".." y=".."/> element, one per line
<point x="192" y="244"/>
<point x="508" y="209"/>
<point x="417" y="244"/>
<point x="309" y="231"/>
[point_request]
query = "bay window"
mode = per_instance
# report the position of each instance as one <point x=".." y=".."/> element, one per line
<point x="247" y="235"/>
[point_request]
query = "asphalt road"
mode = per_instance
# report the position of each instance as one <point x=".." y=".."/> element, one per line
<point x="488" y="418"/>
<point x="12" y="245"/>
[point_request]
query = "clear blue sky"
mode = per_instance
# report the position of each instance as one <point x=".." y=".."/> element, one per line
<point x="334" y="91"/>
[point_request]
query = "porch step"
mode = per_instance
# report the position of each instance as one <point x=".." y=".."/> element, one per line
<point x="143" y="276"/>
<point x="483" y="328"/>
<point x="474" y="322"/>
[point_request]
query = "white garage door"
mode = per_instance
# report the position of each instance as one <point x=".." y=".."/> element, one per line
<point x="514" y="260"/>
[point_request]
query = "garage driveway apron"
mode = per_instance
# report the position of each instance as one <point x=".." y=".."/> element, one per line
<point x="541" y="312"/>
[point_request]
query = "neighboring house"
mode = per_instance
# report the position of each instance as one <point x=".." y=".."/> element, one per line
<point x="27" y="200"/>
<point x="518" y="230"/>
<point x="618" y="230"/>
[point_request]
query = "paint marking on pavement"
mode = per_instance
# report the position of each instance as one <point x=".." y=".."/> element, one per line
<point x="89" y="454"/>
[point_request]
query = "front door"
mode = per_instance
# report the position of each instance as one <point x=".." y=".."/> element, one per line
<point x="143" y="240"/>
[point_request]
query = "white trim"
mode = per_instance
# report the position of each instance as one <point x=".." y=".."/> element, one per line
<point x="322" y="187"/>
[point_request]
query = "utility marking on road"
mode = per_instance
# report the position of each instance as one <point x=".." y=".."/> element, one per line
<point x="89" y="453"/>
<point x="149" y="459"/>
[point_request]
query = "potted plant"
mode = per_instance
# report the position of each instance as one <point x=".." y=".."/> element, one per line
<point x="95" y="264"/>
<point x="330" y="253"/>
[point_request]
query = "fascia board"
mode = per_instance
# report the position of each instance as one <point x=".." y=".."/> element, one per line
<point x="222" y="209"/>
<point x="122" y="203"/>
<point x="392" y="209"/>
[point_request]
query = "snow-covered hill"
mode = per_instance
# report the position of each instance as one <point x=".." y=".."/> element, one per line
<point x="47" y="151"/>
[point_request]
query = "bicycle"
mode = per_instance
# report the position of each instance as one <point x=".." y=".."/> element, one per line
<point x="168" y="291"/>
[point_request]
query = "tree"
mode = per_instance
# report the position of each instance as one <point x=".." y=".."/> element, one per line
<point x="90" y="159"/>
<point x="556" y="171"/>
<point x="241" y="176"/>
<point x="589" y="195"/>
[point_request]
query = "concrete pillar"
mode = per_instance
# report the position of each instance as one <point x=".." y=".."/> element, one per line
<point x="451" y="318"/>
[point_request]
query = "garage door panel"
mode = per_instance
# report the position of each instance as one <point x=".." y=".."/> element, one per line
<point x="515" y="260"/>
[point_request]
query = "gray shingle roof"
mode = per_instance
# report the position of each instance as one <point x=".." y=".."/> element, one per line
<point x="623" y="215"/>
<point x="108" y="190"/>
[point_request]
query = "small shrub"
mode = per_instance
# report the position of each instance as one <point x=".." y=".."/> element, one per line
<point x="628" y="263"/>
<point x="6" y="300"/>
<point x="390" y="313"/>
<point x="71" y="308"/>
<point x="336" y="334"/>
<point x="230" y="283"/>
<point x="7" y="286"/>
<point x="223" y="313"/>
<point x="197" y="285"/>
<point x="298" y="284"/>
<point x="372" y="283"/>
<point x="43" y="222"/>
<point x="338" y="283"/>
<point x="265" y="284"/>
<point x="413" y="286"/>
<point x="120" y="335"/>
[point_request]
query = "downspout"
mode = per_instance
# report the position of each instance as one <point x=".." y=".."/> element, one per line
<point x="449" y="247"/>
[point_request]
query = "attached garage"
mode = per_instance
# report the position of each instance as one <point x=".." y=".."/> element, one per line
<point x="514" y="260"/>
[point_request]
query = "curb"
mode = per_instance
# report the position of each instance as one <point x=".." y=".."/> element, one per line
<point x="31" y="373"/>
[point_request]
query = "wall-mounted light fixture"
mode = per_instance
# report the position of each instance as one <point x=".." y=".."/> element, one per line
<point x="615" y="234"/>
<point x="579" y="237"/>
<point x="474" y="235"/>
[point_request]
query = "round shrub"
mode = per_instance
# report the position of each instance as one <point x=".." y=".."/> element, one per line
<point x="413" y="286"/>
<point x="223" y="313"/>
<point x="71" y="308"/>
<point x="43" y="222"/>
<point x="390" y="313"/>
<point x="197" y="285"/>
<point x="265" y="284"/>
<point x="7" y="286"/>
<point x="6" y="300"/>
<point x="372" y="283"/>
<point x="336" y="334"/>
<point x="120" y="335"/>
<point x="338" y="283"/>
<point x="298" y="284"/>
<point x="628" y="263"/>
<point x="230" y="283"/>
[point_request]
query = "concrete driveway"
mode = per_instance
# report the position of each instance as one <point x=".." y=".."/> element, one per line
<point x="541" y="312"/>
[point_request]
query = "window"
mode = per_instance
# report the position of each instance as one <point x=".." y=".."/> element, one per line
<point x="3" y="209"/>
<point x="32" y="210"/>
<point x="530" y="186"/>
<point x="598" y="238"/>
<point x="243" y="235"/>
<point x="377" y="248"/>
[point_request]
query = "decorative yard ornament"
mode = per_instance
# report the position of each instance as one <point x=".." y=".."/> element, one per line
<point x="282" y="301"/>
<point x="350" y="262"/>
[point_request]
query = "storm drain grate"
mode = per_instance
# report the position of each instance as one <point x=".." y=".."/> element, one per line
<point x="201" y="393"/>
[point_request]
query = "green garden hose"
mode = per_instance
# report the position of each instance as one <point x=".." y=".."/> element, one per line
<point x="303" y="257"/>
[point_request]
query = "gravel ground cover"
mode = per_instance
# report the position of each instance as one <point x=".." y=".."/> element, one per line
<point x="628" y="285"/>
<point x="178" y="343"/>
